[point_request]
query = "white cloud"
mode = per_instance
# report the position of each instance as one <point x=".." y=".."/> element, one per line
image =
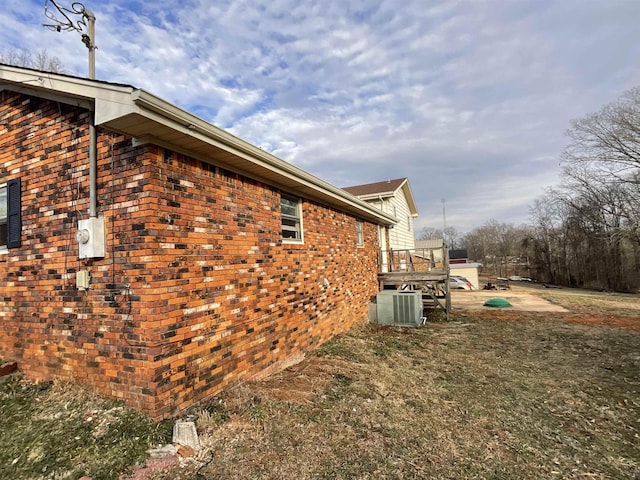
<point x="468" y="99"/>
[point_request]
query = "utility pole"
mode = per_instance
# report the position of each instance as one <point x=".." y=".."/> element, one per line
<point x="90" y="231"/>
<point x="61" y="20"/>
<point x="444" y="216"/>
<point x="444" y="220"/>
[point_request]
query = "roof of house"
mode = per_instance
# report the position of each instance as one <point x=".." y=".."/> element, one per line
<point x="385" y="189"/>
<point x="150" y="119"/>
<point x="430" y="243"/>
<point x="458" y="254"/>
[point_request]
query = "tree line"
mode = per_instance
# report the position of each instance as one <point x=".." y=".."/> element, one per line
<point x="586" y="231"/>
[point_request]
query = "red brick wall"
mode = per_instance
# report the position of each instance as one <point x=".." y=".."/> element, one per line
<point x="196" y="291"/>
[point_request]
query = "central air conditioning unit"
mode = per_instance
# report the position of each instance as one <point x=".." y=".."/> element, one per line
<point x="402" y="308"/>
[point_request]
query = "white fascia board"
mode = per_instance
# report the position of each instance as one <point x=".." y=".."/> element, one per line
<point x="80" y="102"/>
<point x="168" y="114"/>
<point x="411" y="201"/>
<point x="113" y="101"/>
<point x="71" y="90"/>
<point x="110" y="109"/>
<point x="376" y="196"/>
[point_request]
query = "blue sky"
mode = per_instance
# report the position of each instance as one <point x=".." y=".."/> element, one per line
<point x="469" y="100"/>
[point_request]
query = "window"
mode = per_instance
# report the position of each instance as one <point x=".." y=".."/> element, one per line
<point x="359" y="232"/>
<point x="291" y="219"/>
<point x="10" y="208"/>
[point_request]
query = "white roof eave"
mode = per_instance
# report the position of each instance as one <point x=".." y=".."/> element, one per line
<point x="159" y="110"/>
<point x="114" y="103"/>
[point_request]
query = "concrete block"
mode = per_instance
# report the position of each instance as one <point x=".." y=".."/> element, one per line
<point x="184" y="433"/>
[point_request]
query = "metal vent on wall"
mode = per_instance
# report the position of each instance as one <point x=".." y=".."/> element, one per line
<point x="399" y="308"/>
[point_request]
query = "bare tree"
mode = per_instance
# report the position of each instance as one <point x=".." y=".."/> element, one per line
<point x="430" y="233"/>
<point x="601" y="189"/>
<point x="450" y="235"/>
<point x="585" y="232"/>
<point x="41" y="61"/>
<point x="498" y="246"/>
<point x="608" y="141"/>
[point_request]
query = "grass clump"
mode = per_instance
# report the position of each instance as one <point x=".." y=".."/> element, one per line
<point x="60" y="430"/>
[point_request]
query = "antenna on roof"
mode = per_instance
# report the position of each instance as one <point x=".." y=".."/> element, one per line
<point x="61" y="18"/>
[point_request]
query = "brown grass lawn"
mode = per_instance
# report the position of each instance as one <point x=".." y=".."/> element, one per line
<point x="488" y="395"/>
<point x="493" y="395"/>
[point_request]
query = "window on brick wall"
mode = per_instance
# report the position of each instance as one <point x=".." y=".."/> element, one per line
<point x="10" y="208"/>
<point x="359" y="232"/>
<point x="291" y="214"/>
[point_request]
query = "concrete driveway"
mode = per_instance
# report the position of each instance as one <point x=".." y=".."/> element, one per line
<point x="521" y="301"/>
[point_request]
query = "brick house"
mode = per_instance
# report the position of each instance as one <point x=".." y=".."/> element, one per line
<point x="156" y="257"/>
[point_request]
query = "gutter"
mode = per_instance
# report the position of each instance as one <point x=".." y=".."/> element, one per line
<point x="205" y="131"/>
<point x="110" y="102"/>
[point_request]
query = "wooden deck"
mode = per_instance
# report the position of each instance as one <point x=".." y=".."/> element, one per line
<point x="426" y="270"/>
<point x="400" y="278"/>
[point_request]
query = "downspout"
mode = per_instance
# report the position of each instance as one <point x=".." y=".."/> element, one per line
<point x="385" y="255"/>
<point x="91" y="231"/>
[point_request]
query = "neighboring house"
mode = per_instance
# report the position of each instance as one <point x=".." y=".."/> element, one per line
<point x="156" y="257"/>
<point x="468" y="270"/>
<point x="393" y="197"/>
<point x="458" y="256"/>
<point x="459" y="265"/>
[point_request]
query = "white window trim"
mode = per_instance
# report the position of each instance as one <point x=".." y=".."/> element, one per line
<point x="294" y="241"/>
<point x="360" y="237"/>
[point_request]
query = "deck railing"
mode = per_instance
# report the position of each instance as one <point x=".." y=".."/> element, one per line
<point x="415" y="260"/>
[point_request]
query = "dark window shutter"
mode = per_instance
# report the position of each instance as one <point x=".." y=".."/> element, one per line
<point x="14" y="216"/>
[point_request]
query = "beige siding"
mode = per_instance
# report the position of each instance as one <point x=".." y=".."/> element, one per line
<point x="469" y="272"/>
<point x="402" y="234"/>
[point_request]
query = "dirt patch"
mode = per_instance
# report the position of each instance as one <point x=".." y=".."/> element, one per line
<point x="302" y="382"/>
<point x="631" y="324"/>
<point x="618" y="321"/>
<point x="151" y="467"/>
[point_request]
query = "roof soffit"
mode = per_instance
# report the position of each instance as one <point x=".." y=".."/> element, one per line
<point x="115" y="103"/>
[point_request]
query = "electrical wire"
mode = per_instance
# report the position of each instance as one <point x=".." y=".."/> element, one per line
<point x="199" y="475"/>
<point x="74" y="199"/>
<point x="113" y="218"/>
